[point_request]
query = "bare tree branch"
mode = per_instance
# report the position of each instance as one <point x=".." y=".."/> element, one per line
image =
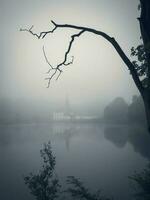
<point x="41" y="34"/>
<point x="82" y="30"/>
<point x="64" y="62"/>
<point x="51" y="68"/>
<point x="114" y="44"/>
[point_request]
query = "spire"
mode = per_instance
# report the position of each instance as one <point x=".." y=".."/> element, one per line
<point x="67" y="106"/>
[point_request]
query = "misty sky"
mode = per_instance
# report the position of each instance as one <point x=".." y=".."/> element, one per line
<point x="97" y="75"/>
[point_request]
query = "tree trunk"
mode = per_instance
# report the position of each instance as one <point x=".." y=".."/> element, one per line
<point x="145" y="33"/>
<point x="146" y="99"/>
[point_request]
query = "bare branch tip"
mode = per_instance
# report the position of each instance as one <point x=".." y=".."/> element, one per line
<point x="31" y="28"/>
<point x="53" y="23"/>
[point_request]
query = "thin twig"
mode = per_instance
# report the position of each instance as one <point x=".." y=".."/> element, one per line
<point x="63" y="63"/>
<point x="41" y="34"/>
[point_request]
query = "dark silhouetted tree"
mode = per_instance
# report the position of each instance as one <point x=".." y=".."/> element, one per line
<point x="136" y="110"/>
<point x="116" y="111"/>
<point x="44" y="185"/>
<point x="78" y="191"/>
<point x="139" y="69"/>
<point x="141" y="181"/>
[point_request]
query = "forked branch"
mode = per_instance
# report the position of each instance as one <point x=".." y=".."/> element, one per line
<point x="63" y="63"/>
<point x="82" y="30"/>
<point x="41" y="35"/>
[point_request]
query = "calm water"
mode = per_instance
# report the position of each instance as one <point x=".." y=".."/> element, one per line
<point x="101" y="156"/>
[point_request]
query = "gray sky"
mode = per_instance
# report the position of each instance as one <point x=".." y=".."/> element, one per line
<point x="97" y="75"/>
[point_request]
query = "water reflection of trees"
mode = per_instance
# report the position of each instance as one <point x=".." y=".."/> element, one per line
<point x="137" y="137"/>
<point x="118" y="135"/>
<point x="140" y="140"/>
<point x="45" y="184"/>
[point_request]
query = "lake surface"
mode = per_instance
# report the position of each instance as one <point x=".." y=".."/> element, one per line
<point x="101" y="156"/>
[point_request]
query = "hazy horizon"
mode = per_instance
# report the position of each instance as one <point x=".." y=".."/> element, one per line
<point x="96" y="77"/>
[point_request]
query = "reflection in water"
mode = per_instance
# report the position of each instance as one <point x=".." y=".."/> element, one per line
<point x="45" y="185"/>
<point x="82" y="149"/>
<point x="117" y="135"/>
<point x="138" y="138"/>
<point x="141" y="143"/>
<point x="66" y="132"/>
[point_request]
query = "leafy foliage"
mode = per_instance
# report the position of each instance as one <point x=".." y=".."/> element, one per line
<point x="142" y="182"/>
<point x="44" y="185"/>
<point x="78" y="191"/>
<point x="136" y="111"/>
<point x="140" y="63"/>
<point x="116" y="111"/>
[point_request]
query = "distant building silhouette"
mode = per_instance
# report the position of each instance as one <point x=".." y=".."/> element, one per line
<point x="66" y="114"/>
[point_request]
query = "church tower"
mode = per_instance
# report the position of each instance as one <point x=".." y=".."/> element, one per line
<point x="67" y="107"/>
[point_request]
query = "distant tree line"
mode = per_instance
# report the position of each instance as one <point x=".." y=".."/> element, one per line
<point x="118" y="111"/>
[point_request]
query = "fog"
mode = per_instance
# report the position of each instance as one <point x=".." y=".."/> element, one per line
<point x="91" y="120"/>
<point x="97" y="75"/>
